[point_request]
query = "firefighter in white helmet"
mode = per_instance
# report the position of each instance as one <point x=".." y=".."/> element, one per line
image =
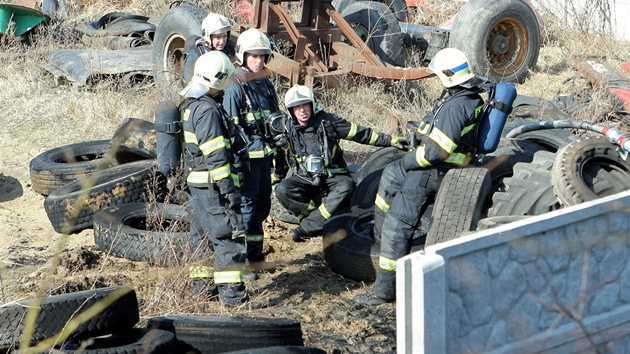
<point x="445" y="139"/>
<point x="215" y="29"/>
<point x="250" y="100"/>
<point x="212" y="180"/>
<point x="320" y="182"/>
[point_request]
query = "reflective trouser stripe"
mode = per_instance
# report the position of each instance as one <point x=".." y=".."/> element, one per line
<point x="254" y="238"/>
<point x="323" y="211"/>
<point x="422" y="162"/>
<point x="352" y="132"/>
<point x="373" y="138"/>
<point x="338" y="171"/>
<point x="199" y="272"/>
<point x="311" y="207"/>
<point x="381" y="203"/>
<point x="387" y="264"/>
<point x="228" y="277"/>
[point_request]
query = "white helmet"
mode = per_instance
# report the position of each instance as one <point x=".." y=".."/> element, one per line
<point x="298" y="95"/>
<point x="214" y="24"/>
<point x="213" y="70"/>
<point x="254" y="42"/>
<point x="451" y="66"/>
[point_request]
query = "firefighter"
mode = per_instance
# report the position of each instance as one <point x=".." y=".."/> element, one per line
<point x="445" y="139"/>
<point x="250" y="100"/>
<point x="212" y="180"/>
<point x="320" y="182"/>
<point x="215" y="29"/>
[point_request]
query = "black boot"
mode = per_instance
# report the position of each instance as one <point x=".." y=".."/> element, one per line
<point x="298" y="234"/>
<point x="370" y="299"/>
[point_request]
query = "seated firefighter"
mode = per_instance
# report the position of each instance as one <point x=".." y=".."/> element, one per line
<point x="320" y="182"/>
<point x="446" y="139"/>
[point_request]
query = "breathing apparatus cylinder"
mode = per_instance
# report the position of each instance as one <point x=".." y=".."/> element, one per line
<point x="168" y="134"/>
<point x="494" y="118"/>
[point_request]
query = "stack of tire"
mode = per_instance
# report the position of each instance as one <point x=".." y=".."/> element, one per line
<point x="105" y="321"/>
<point x="535" y="173"/>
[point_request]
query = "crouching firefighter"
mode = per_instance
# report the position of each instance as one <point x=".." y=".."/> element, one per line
<point x="212" y="179"/>
<point x="445" y="139"/>
<point x="320" y="182"/>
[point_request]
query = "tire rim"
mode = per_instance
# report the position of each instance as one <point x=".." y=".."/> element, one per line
<point x="173" y="56"/>
<point x="507" y="46"/>
<point x="591" y="167"/>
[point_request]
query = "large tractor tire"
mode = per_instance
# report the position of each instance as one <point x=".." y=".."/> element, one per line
<point x="509" y="152"/>
<point x="177" y="24"/>
<point x="459" y="203"/>
<point x="529" y="190"/>
<point x="588" y="169"/>
<point x="501" y="38"/>
<point x="378" y="27"/>
<point x="398" y="7"/>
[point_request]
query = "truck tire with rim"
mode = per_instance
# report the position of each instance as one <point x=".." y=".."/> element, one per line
<point x="588" y="169"/>
<point x="501" y="38"/>
<point x="177" y="24"/>
<point x="378" y="27"/>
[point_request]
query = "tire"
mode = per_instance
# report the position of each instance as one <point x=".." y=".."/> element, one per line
<point x="364" y="194"/>
<point x="588" y="169"/>
<point x="501" y="38"/>
<point x="155" y="233"/>
<point x="134" y="139"/>
<point x="279" y="212"/>
<point x="375" y="23"/>
<point x="529" y="190"/>
<point x="56" y="167"/>
<point x="494" y="221"/>
<point x="459" y="203"/>
<point x="509" y="152"/>
<point x="550" y="139"/>
<point x="177" y="24"/>
<point x="377" y="160"/>
<point x="119" y="311"/>
<point x="280" y="350"/>
<point x="71" y="208"/>
<point x="350" y="249"/>
<point x="398" y="7"/>
<point x="216" y="334"/>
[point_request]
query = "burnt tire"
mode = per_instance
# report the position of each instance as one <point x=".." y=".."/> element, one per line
<point x="150" y="232"/>
<point x="134" y="139"/>
<point x="56" y="167"/>
<point x="501" y="38"/>
<point x="588" y="169"/>
<point x="118" y="310"/>
<point x="529" y="190"/>
<point x="377" y="161"/>
<point x="350" y="249"/>
<point x="217" y="334"/>
<point x="378" y="27"/>
<point x="177" y="24"/>
<point x="459" y="203"/>
<point x="71" y="208"/>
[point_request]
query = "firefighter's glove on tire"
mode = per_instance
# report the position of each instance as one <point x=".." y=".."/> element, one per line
<point x="399" y="142"/>
<point x="233" y="201"/>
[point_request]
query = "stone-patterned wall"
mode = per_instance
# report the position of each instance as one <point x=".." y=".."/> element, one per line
<point x="558" y="282"/>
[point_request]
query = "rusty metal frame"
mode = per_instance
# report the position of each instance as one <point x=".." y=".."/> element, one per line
<point x="318" y="51"/>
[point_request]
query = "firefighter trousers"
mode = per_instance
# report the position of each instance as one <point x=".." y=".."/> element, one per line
<point x="209" y="221"/>
<point x="313" y="205"/>
<point x="401" y="201"/>
<point x="256" y="204"/>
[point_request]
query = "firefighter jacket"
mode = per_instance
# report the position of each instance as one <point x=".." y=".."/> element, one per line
<point x="321" y="138"/>
<point x="446" y="136"/>
<point x="207" y="148"/>
<point x="250" y="99"/>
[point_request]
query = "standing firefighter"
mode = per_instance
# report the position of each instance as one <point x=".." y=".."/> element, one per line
<point x="321" y="181"/>
<point x="250" y="99"/>
<point x="445" y="140"/>
<point x="212" y="179"/>
<point x="215" y="29"/>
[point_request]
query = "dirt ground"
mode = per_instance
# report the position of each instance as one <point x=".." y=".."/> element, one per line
<point x="37" y="260"/>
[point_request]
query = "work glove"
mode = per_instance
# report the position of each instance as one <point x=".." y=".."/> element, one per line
<point x="233" y="200"/>
<point x="275" y="178"/>
<point x="399" y="142"/>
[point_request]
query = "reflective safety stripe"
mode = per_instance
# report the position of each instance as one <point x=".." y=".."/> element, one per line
<point x="467" y="129"/>
<point x="258" y="154"/>
<point x="422" y="162"/>
<point x="270" y="151"/>
<point x="373" y="138"/>
<point x="353" y="131"/>
<point x="213" y="145"/>
<point x="457" y="159"/>
<point x="198" y="177"/>
<point x="383" y="263"/>
<point x="254" y="116"/>
<point x="236" y="179"/>
<point x="309" y="209"/>
<point x="199" y="272"/>
<point x="381" y="203"/>
<point x="190" y="138"/>
<point x="338" y="171"/>
<point x="220" y="173"/>
<point x="236" y="119"/>
<point x="443" y="140"/>
<point x="254" y="238"/>
<point x="186" y="114"/>
<point x="323" y="211"/>
<point x="424" y="128"/>
<point x="228" y="277"/>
